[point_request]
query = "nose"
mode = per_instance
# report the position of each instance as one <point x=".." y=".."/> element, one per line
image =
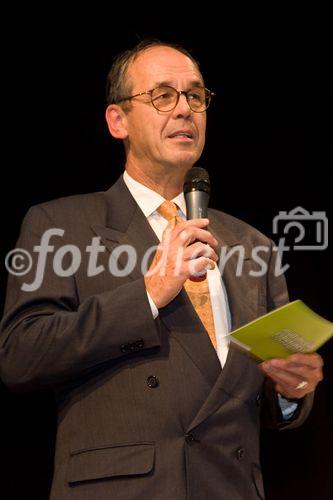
<point x="182" y="109"/>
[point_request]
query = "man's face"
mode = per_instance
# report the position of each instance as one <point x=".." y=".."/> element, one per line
<point x="152" y="138"/>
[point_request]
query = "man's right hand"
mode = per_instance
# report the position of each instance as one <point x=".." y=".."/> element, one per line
<point x="185" y="250"/>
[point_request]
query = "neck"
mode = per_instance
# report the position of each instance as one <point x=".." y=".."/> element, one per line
<point x="166" y="183"/>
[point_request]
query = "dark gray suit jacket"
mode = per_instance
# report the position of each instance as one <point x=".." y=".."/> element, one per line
<point x="144" y="409"/>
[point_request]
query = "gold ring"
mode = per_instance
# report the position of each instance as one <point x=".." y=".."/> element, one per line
<point x="302" y="384"/>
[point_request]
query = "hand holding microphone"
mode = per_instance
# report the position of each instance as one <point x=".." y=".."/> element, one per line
<point x="188" y="249"/>
<point x="197" y="191"/>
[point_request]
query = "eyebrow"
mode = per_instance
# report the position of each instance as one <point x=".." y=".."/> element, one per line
<point x="192" y="83"/>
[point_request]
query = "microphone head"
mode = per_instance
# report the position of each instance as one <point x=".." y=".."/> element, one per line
<point x="197" y="179"/>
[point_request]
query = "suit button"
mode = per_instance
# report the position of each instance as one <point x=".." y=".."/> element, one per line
<point x="139" y="343"/>
<point x="240" y="453"/>
<point x="124" y="348"/>
<point x="258" y="399"/>
<point x="189" y="438"/>
<point x="152" y="381"/>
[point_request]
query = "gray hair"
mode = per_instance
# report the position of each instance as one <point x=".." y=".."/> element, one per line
<point x="118" y="84"/>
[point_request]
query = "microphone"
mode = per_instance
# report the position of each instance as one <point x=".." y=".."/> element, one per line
<point x="196" y="191"/>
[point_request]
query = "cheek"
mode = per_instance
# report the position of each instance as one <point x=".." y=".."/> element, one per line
<point x="200" y="121"/>
<point x="202" y="129"/>
<point x="142" y="132"/>
<point x="203" y="123"/>
<point x="151" y="127"/>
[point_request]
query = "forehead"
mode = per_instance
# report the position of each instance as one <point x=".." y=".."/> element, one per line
<point x="163" y="64"/>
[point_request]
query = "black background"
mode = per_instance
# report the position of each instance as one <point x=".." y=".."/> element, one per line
<point x="267" y="150"/>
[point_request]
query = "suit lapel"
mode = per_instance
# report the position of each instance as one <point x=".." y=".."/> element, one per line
<point x="224" y="386"/>
<point x="127" y="225"/>
<point x="185" y="326"/>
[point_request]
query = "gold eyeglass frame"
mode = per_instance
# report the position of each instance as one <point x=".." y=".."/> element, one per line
<point x="209" y="95"/>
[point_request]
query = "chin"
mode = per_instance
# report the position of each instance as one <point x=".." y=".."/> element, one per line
<point x="185" y="159"/>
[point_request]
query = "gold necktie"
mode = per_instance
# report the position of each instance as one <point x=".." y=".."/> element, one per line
<point x="197" y="291"/>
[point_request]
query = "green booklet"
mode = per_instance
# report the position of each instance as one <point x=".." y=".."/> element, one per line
<point x="291" y="328"/>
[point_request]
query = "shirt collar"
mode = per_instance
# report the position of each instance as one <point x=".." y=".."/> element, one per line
<point x="147" y="199"/>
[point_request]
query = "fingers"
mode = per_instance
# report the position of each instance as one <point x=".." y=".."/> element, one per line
<point x="185" y="250"/>
<point x="192" y="234"/>
<point x="313" y="360"/>
<point x="188" y="231"/>
<point x="188" y="225"/>
<point x="295" y="375"/>
<point x="298" y="363"/>
<point x="285" y="377"/>
<point x="198" y="266"/>
<point x="188" y="242"/>
<point x="298" y="366"/>
<point x="199" y="249"/>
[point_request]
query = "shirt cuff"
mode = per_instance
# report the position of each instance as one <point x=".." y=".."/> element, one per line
<point x="153" y="307"/>
<point x="288" y="408"/>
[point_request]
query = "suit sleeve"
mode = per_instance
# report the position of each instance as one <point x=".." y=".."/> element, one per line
<point x="47" y="337"/>
<point x="277" y="295"/>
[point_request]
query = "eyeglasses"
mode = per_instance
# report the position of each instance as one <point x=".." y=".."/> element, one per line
<point x="166" y="98"/>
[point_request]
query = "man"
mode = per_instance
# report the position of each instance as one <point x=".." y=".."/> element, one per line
<point x="152" y="401"/>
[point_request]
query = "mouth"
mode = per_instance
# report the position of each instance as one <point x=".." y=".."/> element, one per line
<point x="182" y="135"/>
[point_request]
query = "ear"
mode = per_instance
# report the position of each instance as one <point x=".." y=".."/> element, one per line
<point x="117" y="121"/>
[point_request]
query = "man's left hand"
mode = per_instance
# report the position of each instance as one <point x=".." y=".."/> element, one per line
<point x="296" y="375"/>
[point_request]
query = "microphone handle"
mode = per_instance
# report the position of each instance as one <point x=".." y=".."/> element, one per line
<point x="196" y="208"/>
<point x="196" y="204"/>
